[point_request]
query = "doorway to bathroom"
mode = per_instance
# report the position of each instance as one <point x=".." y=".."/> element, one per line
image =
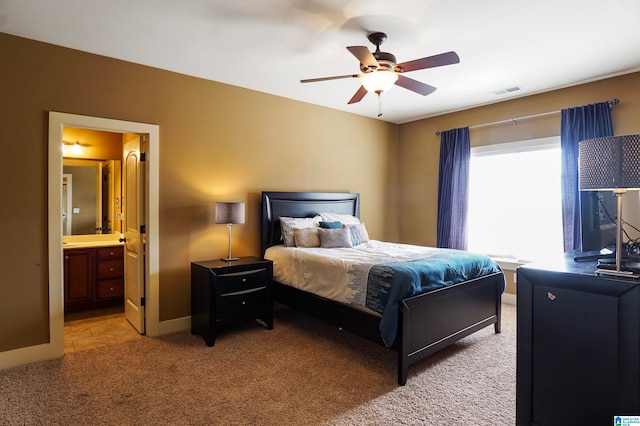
<point x="138" y="212"/>
<point x="102" y="212"/>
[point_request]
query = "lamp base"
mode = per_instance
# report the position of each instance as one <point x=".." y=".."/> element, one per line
<point x="229" y="259"/>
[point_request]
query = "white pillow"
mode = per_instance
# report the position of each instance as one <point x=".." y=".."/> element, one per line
<point x="306" y="237"/>
<point x="288" y="224"/>
<point x="359" y="234"/>
<point x="337" y="237"/>
<point x="346" y="219"/>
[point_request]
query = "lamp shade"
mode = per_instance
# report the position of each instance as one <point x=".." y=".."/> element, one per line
<point x="610" y="162"/>
<point x="230" y="213"/>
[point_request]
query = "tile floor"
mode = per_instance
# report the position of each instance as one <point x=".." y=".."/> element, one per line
<point x="92" y="329"/>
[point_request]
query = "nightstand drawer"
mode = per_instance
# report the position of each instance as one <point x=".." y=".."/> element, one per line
<point x="237" y="281"/>
<point x="241" y="303"/>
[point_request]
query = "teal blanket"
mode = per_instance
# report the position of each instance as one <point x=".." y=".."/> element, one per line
<point x="388" y="283"/>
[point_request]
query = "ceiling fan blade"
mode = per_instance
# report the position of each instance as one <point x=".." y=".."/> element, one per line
<point x="337" y="77"/>
<point x="365" y="57"/>
<point x="414" y="85"/>
<point x="447" y="58"/>
<point x="358" y="96"/>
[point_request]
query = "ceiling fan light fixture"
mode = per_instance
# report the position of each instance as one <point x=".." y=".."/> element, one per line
<point x="378" y="81"/>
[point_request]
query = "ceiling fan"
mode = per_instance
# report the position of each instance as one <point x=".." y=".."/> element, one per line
<point x="380" y="70"/>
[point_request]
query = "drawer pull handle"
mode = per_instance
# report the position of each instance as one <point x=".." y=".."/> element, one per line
<point x="111" y="269"/>
<point x="245" y="273"/>
<point x="111" y="253"/>
<point x="238" y="293"/>
<point x="111" y="288"/>
<point x="244" y="280"/>
<point x="244" y="303"/>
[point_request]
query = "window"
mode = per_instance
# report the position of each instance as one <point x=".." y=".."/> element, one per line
<point x="515" y="204"/>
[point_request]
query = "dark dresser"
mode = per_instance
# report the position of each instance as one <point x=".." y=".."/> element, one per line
<point x="578" y="345"/>
<point x="225" y="292"/>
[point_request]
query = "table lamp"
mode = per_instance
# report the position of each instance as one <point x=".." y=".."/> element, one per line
<point x="611" y="163"/>
<point x="230" y="213"/>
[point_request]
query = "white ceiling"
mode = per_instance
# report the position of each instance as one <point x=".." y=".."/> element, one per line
<point x="269" y="46"/>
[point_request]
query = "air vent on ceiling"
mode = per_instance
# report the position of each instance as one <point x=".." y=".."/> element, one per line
<point x="507" y="90"/>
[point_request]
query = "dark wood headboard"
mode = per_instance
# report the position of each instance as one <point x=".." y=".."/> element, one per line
<point x="300" y="204"/>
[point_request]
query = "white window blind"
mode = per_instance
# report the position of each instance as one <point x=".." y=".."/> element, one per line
<point x="515" y="207"/>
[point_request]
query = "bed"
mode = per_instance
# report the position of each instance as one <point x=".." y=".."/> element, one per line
<point x="424" y="323"/>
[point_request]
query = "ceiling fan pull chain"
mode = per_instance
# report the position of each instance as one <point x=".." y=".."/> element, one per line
<point x="379" y="105"/>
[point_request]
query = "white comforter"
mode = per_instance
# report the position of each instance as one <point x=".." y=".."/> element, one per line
<point x="329" y="272"/>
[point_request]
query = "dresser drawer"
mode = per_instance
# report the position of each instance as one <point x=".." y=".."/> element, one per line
<point x="110" y="269"/>
<point x="237" y="281"/>
<point x="110" y="288"/>
<point x="105" y="253"/>
<point x="241" y="303"/>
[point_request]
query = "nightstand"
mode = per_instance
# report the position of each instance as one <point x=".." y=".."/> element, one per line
<point x="227" y="292"/>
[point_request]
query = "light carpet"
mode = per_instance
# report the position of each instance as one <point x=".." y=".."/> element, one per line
<point x="303" y="372"/>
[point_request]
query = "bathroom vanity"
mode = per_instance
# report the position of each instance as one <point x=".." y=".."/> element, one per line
<point x="93" y="277"/>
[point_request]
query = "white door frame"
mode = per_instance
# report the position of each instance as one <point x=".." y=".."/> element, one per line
<point x="57" y="122"/>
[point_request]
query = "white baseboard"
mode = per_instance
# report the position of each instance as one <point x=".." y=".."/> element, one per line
<point x="171" y="326"/>
<point x="28" y="355"/>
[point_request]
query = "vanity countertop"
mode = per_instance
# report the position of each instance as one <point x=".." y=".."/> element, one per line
<point x="88" y="244"/>
<point x="88" y="241"/>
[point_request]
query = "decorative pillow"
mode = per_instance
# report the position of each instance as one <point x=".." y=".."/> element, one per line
<point x="359" y="234"/>
<point x="331" y="225"/>
<point x="331" y="238"/>
<point x="288" y="224"/>
<point x="346" y="219"/>
<point x="306" y="237"/>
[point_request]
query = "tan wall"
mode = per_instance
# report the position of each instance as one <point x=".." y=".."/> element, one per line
<point x="217" y="142"/>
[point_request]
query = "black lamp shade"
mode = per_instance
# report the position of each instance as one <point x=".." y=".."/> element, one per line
<point x="230" y="213"/>
<point x="610" y="162"/>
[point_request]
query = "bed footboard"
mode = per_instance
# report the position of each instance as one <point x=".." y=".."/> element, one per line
<point x="432" y="321"/>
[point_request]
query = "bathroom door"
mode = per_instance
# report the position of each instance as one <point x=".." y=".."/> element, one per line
<point x="133" y="224"/>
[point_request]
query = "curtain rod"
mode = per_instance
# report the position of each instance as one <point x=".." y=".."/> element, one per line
<point x="514" y="120"/>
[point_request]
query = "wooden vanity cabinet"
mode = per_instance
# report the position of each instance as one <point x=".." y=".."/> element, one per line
<point x="93" y="278"/>
<point x="78" y="276"/>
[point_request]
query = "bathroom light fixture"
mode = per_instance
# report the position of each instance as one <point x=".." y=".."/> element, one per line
<point x="229" y="213"/>
<point x="72" y="148"/>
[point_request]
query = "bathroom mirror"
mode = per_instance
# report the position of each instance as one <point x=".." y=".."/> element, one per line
<point x="91" y="197"/>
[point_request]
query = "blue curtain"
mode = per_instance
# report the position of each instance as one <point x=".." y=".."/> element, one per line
<point x="580" y="123"/>
<point x="453" y="188"/>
